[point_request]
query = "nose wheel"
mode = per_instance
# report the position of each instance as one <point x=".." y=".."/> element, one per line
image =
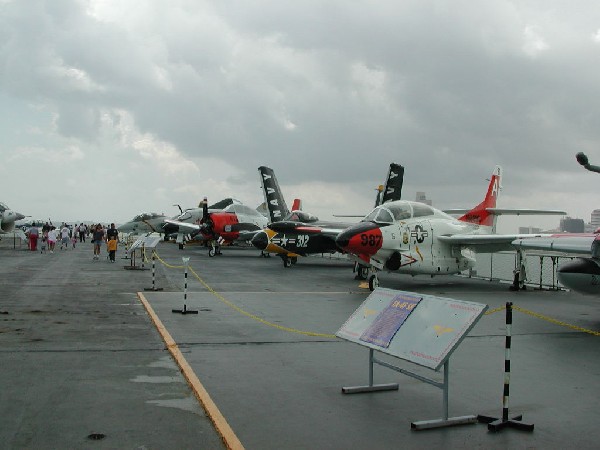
<point x="288" y="261"/>
<point x="373" y="282"/>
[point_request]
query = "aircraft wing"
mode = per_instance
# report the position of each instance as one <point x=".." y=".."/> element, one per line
<point x="184" y="227"/>
<point x="568" y="243"/>
<point x="488" y="243"/>
<point x="512" y="212"/>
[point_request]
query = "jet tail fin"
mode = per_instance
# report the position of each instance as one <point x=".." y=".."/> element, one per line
<point x="278" y="209"/>
<point x="393" y="184"/>
<point x="480" y="215"/>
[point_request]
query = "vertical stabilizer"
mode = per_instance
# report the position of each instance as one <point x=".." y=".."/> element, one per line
<point x="278" y="209"/>
<point x="479" y="215"/>
<point x="393" y="184"/>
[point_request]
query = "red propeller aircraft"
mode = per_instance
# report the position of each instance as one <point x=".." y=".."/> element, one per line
<point x="226" y="221"/>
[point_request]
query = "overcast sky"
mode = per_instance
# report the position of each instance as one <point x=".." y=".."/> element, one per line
<point x="112" y="108"/>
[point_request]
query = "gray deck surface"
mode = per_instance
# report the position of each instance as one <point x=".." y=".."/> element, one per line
<point x="81" y="356"/>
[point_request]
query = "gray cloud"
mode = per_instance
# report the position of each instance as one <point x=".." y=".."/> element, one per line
<point x="321" y="91"/>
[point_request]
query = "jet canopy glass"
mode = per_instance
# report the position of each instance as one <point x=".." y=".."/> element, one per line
<point x="242" y="209"/>
<point x="145" y="216"/>
<point x="399" y="210"/>
<point x="301" y="216"/>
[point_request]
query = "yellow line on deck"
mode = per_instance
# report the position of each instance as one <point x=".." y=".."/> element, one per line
<point x="229" y="438"/>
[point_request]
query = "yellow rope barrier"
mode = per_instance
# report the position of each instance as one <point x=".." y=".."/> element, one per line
<point x="246" y="313"/>
<point x="556" y="322"/>
<point x="331" y="336"/>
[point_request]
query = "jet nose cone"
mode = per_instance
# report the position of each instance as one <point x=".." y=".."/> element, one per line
<point x="364" y="238"/>
<point x="260" y="240"/>
<point x="343" y="239"/>
<point x="19" y="216"/>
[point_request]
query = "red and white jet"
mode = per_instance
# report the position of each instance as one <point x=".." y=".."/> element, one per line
<point x="416" y="239"/>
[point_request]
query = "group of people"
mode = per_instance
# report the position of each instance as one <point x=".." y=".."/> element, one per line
<point x="110" y="236"/>
<point x="49" y="235"/>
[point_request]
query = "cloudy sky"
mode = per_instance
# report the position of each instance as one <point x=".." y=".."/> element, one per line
<point x="112" y="108"/>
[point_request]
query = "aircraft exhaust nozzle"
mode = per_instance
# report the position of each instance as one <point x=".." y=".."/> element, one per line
<point x="260" y="240"/>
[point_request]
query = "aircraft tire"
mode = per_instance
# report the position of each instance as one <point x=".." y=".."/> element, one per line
<point x="294" y="260"/>
<point x="180" y="246"/>
<point x="373" y="282"/>
<point x="363" y="271"/>
<point x="211" y="252"/>
<point x="287" y="263"/>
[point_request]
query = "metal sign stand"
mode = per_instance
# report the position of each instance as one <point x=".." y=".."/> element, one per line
<point x="445" y="421"/>
<point x="420" y="329"/>
<point x="149" y="240"/>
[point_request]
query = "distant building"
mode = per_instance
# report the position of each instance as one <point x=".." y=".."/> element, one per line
<point x="595" y="220"/>
<point x="529" y="230"/>
<point x="422" y="198"/>
<point x="570" y="225"/>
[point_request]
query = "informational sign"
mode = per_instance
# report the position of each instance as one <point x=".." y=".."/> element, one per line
<point x="419" y="328"/>
<point x="147" y="241"/>
<point x="381" y="331"/>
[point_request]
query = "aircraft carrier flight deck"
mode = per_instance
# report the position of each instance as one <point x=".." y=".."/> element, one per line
<point x="94" y="355"/>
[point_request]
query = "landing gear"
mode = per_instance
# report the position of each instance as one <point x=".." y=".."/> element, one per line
<point x="373" y="282"/>
<point x="520" y="273"/>
<point x="288" y="260"/>
<point x="264" y="254"/>
<point x="214" y="250"/>
<point x="362" y="272"/>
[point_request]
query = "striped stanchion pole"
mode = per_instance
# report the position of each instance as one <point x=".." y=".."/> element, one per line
<point x="495" y="424"/>
<point x="153" y="288"/>
<point x="186" y="260"/>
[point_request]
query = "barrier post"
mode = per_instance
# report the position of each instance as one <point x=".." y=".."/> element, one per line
<point x="186" y="260"/>
<point x="493" y="423"/>
<point x="153" y="288"/>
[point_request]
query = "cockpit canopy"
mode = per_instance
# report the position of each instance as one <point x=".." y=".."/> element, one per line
<point x="301" y="216"/>
<point x="399" y="210"/>
<point x="146" y="216"/>
<point x="239" y="208"/>
<point x="3" y="207"/>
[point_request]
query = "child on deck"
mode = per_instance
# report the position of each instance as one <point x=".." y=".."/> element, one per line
<point x="112" y="248"/>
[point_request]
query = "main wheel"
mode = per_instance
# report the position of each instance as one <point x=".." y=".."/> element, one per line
<point x="211" y="252"/>
<point x="373" y="282"/>
<point x="286" y="262"/>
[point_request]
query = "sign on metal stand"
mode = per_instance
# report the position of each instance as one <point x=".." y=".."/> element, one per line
<point x="142" y="243"/>
<point x="421" y="329"/>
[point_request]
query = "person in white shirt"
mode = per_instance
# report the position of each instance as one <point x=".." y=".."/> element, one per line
<point x="64" y="234"/>
<point x="52" y="238"/>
